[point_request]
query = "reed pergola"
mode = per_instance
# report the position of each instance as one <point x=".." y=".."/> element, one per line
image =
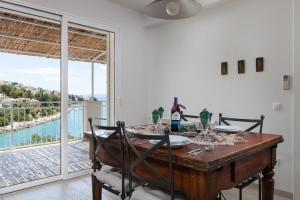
<point x="38" y="37"/>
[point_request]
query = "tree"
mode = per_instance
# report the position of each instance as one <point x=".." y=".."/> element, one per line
<point x="29" y="94"/>
<point x="6" y="89"/>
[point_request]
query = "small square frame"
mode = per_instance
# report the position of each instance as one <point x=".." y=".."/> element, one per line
<point x="241" y="66"/>
<point x="260" y="64"/>
<point x="224" y="68"/>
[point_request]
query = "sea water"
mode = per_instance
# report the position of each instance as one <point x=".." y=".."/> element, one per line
<point x="51" y="129"/>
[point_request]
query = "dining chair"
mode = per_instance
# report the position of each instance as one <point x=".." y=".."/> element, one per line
<point x="110" y="176"/>
<point x="186" y="117"/>
<point x="257" y="123"/>
<point x="159" y="186"/>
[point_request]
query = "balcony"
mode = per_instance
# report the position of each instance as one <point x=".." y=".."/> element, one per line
<point x="30" y="137"/>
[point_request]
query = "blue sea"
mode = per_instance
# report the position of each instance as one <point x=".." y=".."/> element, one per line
<point x="51" y="128"/>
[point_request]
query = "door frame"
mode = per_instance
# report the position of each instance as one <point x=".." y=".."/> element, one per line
<point x="113" y="76"/>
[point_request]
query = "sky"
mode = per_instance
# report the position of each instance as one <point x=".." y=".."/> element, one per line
<point x="45" y="73"/>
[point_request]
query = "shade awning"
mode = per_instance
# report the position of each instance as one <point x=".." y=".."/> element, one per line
<point x="36" y="37"/>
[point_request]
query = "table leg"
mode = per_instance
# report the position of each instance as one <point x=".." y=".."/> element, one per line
<point x="96" y="188"/>
<point x="268" y="184"/>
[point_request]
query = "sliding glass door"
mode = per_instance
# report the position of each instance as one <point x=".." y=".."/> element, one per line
<point x="54" y="75"/>
<point x="30" y="97"/>
<point x="88" y="96"/>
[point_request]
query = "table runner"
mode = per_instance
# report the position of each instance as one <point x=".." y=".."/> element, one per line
<point x="209" y="138"/>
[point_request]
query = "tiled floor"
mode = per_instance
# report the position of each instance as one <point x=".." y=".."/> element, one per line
<point x="24" y="165"/>
<point x="80" y="189"/>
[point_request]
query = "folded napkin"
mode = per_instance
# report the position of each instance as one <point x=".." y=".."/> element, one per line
<point x="205" y="117"/>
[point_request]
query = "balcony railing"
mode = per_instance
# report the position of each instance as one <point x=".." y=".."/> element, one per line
<point x="38" y="123"/>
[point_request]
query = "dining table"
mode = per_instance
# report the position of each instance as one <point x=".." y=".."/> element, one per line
<point x="203" y="176"/>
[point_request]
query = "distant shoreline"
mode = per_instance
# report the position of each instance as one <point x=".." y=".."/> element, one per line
<point x="30" y="124"/>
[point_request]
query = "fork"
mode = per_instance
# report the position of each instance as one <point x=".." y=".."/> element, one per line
<point x="195" y="150"/>
<point x="207" y="148"/>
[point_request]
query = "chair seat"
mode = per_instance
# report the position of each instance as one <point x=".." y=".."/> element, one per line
<point x="109" y="176"/>
<point x="146" y="193"/>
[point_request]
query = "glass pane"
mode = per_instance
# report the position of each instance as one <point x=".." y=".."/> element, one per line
<point x="29" y="98"/>
<point x="87" y="89"/>
<point x="100" y="87"/>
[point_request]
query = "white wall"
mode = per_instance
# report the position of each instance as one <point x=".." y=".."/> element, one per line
<point x="131" y="68"/>
<point x="297" y="103"/>
<point x="184" y="60"/>
<point x="243" y="29"/>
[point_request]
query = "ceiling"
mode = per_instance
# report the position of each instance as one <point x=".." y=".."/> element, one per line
<point x="139" y="5"/>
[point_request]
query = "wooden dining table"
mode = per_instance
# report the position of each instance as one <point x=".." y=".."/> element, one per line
<point x="203" y="176"/>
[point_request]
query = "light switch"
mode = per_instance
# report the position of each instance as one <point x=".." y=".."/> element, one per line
<point x="276" y="106"/>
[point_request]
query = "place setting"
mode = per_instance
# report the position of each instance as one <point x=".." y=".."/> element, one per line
<point x="200" y="130"/>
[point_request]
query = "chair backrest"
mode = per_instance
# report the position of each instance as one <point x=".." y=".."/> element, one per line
<point x="186" y="117"/>
<point x="140" y="158"/>
<point x="103" y="144"/>
<point x="257" y="122"/>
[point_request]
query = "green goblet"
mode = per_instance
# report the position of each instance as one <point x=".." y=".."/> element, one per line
<point x="155" y="119"/>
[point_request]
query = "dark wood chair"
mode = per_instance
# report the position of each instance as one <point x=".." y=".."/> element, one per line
<point x="257" y="123"/>
<point x="186" y="117"/>
<point x="147" y="189"/>
<point x="110" y="176"/>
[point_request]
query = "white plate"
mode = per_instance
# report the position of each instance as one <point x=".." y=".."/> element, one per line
<point x="225" y="128"/>
<point x="103" y="133"/>
<point x="175" y="141"/>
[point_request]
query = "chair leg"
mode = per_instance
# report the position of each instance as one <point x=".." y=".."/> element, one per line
<point x="259" y="188"/>
<point x="240" y="194"/>
<point x="221" y="196"/>
<point x="96" y="189"/>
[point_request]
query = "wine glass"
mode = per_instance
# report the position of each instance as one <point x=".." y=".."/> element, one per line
<point x="155" y="119"/>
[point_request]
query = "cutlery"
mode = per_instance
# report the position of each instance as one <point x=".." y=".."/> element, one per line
<point x="195" y="150"/>
<point x="207" y="148"/>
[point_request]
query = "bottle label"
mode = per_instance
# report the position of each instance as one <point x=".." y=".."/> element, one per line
<point x="175" y="116"/>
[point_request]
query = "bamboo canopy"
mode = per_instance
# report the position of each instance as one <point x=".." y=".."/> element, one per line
<point x="37" y="37"/>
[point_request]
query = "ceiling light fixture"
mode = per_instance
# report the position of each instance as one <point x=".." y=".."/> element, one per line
<point x="173" y="9"/>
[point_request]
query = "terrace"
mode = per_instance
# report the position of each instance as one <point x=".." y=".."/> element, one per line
<point x="31" y="150"/>
<point x="34" y="163"/>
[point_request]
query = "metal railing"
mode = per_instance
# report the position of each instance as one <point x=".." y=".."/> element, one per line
<point x="26" y="124"/>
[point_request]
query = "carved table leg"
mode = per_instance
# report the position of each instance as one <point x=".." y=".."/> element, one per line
<point x="268" y="184"/>
<point x="96" y="188"/>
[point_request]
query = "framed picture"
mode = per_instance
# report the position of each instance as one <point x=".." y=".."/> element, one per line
<point x="224" y="68"/>
<point x="260" y="64"/>
<point x="241" y="66"/>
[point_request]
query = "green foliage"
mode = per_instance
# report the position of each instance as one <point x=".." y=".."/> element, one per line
<point x="20" y="111"/>
<point x="37" y="139"/>
<point x="15" y="92"/>
<point x="4" y="122"/>
<point x="44" y="96"/>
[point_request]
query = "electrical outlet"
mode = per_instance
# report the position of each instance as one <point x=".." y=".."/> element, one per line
<point x="276" y="106"/>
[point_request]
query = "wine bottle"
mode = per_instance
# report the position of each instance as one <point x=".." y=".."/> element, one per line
<point x="175" y="116"/>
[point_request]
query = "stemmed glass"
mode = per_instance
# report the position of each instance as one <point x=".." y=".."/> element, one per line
<point x="161" y="113"/>
<point x="155" y="119"/>
<point x="205" y="119"/>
